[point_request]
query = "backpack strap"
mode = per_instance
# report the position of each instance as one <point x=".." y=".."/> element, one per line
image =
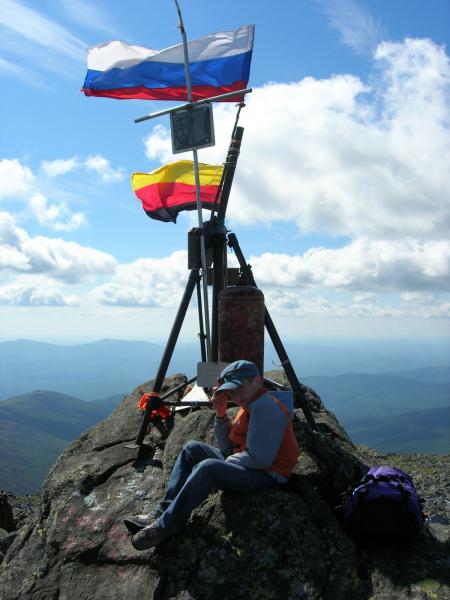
<point x="387" y="478"/>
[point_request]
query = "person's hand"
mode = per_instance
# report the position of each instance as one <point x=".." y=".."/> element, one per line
<point x="219" y="401"/>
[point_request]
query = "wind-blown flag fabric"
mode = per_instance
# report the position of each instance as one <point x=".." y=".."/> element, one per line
<point x="171" y="188"/>
<point x="218" y="63"/>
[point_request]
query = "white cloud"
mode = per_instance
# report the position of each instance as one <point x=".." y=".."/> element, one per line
<point x="158" y="144"/>
<point x="60" y="166"/>
<point x="419" y="298"/>
<point x="114" y="294"/>
<point x="95" y="164"/>
<point x="28" y="23"/>
<point x="29" y="295"/>
<point x="146" y="282"/>
<point x="57" y="216"/>
<point x="364" y="297"/>
<point x="15" y="179"/>
<point x="56" y="258"/>
<point x="101" y="166"/>
<point x="66" y="260"/>
<point x="18" y="181"/>
<point x="358" y="29"/>
<point x="432" y="305"/>
<point x="336" y="157"/>
<point x="12" y="258"/>
<point x="291" y="304"/>
<point x="362" y="265"/>
<point x="288" y="282"/>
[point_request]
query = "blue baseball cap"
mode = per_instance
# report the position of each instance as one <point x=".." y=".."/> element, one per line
<point x="235" y="374"/>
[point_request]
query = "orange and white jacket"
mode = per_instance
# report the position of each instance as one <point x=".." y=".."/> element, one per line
<point x="260" y="437"/>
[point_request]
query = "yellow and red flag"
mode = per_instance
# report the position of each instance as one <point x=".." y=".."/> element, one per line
<point x="171" y="188"/>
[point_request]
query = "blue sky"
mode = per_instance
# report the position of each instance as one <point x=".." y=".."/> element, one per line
<point x="341" y="196"/>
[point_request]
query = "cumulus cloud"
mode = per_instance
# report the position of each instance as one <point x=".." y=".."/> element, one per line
<point x="96" y="164"/>
<point x="292" y="284"/>
<point x="18" y="182"/>
<point x="60" y="166"/>
<point x="102" y="167"/>
<point x="363" y="265"/>
<point x="341" y="157"/>
<point x="287" y="303"/>
<point x="66" y="261"/>
<point x="57" y="216"/>
<point x="158" y="143"/>
<point x="15" y="179"/>
<point x="147" y="282"/>
<point x="31" y="295"/>
<point x="364" y="297"/>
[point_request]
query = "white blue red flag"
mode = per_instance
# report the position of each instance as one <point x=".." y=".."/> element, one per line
<point x="218" y="63"/>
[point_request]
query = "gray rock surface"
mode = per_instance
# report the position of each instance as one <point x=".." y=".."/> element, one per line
<point x="282" y="544"/>
<point x="7" y="521"/>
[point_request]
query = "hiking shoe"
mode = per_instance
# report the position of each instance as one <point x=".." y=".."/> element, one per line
<point x="148" y="537"/>
<point x="135" y="523"/>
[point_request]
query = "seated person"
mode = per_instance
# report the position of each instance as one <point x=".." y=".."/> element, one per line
<point x="256" y="451"/>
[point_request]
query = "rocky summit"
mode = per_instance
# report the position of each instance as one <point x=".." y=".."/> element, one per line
<point x="285" y="544"/>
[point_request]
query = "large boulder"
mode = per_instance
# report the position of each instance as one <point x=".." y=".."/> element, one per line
<point x="280" y="544"/>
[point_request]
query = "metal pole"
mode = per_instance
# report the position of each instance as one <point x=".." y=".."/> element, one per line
<point x="197" y="191"/>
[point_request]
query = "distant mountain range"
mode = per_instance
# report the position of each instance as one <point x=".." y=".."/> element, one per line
<point x="34" y="430"/>
<point x="391" y="413"/>
<point x="423" y="431"/>
<point x="364" y="395"/>
<point x="107" y="367"/>
<point x="87" y="371"/>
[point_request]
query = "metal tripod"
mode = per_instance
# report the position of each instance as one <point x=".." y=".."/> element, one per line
<point x="217" y="238"/>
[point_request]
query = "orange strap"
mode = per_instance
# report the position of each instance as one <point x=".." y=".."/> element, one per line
<point x="162" y="411"/>
<point x="142" y="402"/>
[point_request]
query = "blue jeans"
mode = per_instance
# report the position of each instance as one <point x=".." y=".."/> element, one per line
<point x="199" y="470"/>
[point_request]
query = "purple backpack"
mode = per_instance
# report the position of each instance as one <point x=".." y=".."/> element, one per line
<point x="383" y="507"/>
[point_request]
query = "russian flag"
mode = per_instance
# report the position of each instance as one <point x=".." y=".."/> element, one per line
<point x="219" y="63"/>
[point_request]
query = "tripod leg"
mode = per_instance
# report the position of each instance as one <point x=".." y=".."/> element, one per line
<point x="162" y="370"/>
<point x="273" y="333"/>
<point x="201" y="334"/>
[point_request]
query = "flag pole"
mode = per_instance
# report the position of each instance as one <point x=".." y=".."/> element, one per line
<point x="197" y="190"/>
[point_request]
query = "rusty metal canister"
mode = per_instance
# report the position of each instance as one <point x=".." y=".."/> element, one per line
<point x="241" y="325"/>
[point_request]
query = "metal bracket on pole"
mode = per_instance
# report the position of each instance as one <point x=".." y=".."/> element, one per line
<point x="168" y="111"/>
